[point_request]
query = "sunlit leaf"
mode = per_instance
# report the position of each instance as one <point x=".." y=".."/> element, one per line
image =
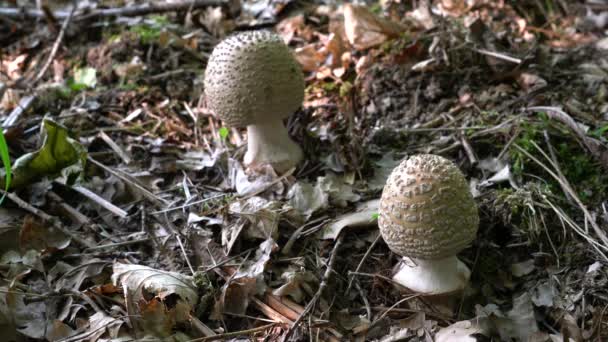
<point x="59" y="154"/>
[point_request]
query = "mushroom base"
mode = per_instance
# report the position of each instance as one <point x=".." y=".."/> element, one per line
<point x="433" y="277"/>
<point x="270" y="144"/>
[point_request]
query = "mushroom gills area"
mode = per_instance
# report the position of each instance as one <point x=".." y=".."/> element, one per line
<point x="433" y="277"/>
<point x="269" y="143"/>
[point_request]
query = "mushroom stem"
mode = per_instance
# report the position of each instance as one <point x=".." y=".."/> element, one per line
<point x="269" y="143"/>
<point x="433" y="277"/>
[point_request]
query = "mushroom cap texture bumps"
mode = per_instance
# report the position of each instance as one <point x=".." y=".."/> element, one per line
<point x="427" y="210"/>
<point x="252" y="77"/>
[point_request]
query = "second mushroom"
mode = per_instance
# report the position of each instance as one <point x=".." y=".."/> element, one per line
<point x="252" y="79"/>
<point x="427" y="215"/>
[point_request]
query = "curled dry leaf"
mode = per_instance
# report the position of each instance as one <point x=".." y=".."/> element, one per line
<point x="263" y="216"/>
<point x="41" y="237"/>
<point x="161" y="298"/>
<point x="307" y="199"/>
<point x="366" y="215"/>
<point x="462" y="331"/>
<point x="365" y="30"/>
<point x="245" y="283"/>
<point x="298" y="283"/>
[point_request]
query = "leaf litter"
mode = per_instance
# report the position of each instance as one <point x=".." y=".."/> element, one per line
<point x="131" y="216"/>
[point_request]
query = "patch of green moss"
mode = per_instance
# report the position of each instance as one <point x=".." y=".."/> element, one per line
<point x="577" y="165"/>
<point x="150" y="31"/>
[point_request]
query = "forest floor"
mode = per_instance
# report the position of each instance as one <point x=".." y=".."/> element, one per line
<point x="131" y="217"/>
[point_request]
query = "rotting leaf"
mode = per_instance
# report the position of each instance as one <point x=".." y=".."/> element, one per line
<point x="254" y="181"/>
<point x="307" y="199"/>
<point x="30" y="319"/>
<point x="340" y="193"/>
<point x="298" y="282"/>
<point x="163" y="299"/>
<point x="59" y="154"/>
<point x="37" y="235"/>
<point x="245" y="283"/>
<point x="263" y="216"/>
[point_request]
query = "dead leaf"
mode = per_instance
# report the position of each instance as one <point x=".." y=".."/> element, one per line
<point x="41" y="236"/>
<point x="307" y="199"/>
<point x="523" y="268"/>
<point x="365" y="216"/>
<point x="161" y="298"/>
<point x="263" y="217"/>
<point x="297" y="284"/>
<point x="462" y="331"/>
<point x="365" y="30"/>
<point x="245" y="283"/>
<point x="309" y="57"/>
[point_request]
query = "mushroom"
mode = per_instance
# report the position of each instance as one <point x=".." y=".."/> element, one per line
<point x="252" y="79"/>
<point x="427" y="215"/>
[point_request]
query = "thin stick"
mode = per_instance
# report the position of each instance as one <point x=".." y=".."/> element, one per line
<point x="129" y="11"/>
<point x="322" y="286"/>
<point x="100" y="200"/>
<point x="235" y="333"/>
<point x="498" y="55"/>
<point x="58" y="41"/>
<point x="46" y="217"/>
<point x="369" y="250"/>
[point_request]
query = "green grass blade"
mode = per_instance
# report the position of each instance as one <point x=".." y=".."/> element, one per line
<point x="7" y="164"/>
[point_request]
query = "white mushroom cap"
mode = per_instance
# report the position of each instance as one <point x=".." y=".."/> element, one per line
<point x="253" y="78"/>
<point x="426" y="209"/>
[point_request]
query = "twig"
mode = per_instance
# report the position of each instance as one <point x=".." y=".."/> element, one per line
<point x="100" y="200"/>
<point x="114" y="146"/>
<point x="201" y="327"/>
<point x="131" y="181"/>
<point x="58" y="41"/>
<point x="235" y="333"/>
<point x="46" y="217"/>
<point x="117" y="244"/>
<point x="369" y="250"/>
<point x="129" y="11"/>
<point x="468" y="150"/>
<point x="23" y="105"/>
<point x="322" y="286"/>
<point x="498" y="55"/>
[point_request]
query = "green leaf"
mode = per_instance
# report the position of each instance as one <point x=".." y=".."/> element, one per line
<point x="6" y="161"/>
<point x="223" y="133"/>
<point x="59" y="155"/>
<point x="375" y="216"/>
<point x="83" y="78"/>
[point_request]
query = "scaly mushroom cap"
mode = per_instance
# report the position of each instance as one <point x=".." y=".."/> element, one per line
<point x="252" y="78"/>
<point x="426" y="209"/>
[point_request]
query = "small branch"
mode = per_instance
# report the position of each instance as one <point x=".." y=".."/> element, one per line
<point x="234" y="334"/>
<point x="322" y="286"/>
<point x="100" y="201"/>
<point x="498" y="55"/>
<point x="129" y="11"/>
<point x="46" y="217"/>
<point x="58" y="41"/>
<point x="369" y="250"/>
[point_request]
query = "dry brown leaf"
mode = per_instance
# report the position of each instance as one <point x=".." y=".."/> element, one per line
<point x="161" y="298"/>
<point x="309" y="57"/>
<point x="365" y="30"/>
<point x="294" y="26"/>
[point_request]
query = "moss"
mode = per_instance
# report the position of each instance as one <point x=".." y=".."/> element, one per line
<point x="578" y="166"/>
